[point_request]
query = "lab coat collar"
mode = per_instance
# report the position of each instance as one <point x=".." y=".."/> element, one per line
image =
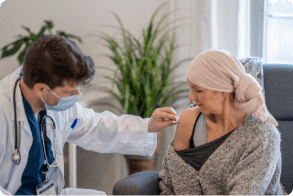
<point x="21" y="116"/>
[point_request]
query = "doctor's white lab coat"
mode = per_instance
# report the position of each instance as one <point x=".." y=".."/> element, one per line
<point x="100" y="132"/>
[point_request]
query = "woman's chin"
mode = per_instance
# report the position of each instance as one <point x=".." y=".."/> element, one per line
<point x="200" y="108"/>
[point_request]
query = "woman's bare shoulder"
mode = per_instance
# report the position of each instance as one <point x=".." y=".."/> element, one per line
<point x="184" y="128"/>
<point x="189" y="114"/>
<point x="194" y="110"/>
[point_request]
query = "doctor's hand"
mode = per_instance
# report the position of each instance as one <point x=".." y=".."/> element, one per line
<point x="162" y="118"/>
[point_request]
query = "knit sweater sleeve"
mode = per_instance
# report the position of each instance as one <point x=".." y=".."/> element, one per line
<point x="255" y="169"/>
<point x="165" y="183"/>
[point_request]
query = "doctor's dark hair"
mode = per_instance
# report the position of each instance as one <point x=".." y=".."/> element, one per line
<point x="53" y="59"/>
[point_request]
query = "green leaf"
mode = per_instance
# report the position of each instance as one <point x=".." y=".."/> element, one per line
<point x="62" y="33"/>
<point x="168" y="24"/>
<point x="74" y="36"/>
<point x="32" y="35"/>
<point x="41" y="32"/>
<point x="49" y="24"/>
<point x="144" y="67"/>
<point x="68" y="36"/>
<point x="16" y="46"/>
<point x="130" y="35"/>
<point x="126" y="101"/>
<point x="22" y="54"/>
<point x="152" y="20"/>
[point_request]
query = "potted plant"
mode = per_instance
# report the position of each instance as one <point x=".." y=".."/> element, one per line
<point x="15" y="46"/>
<point x="143" y="75"/>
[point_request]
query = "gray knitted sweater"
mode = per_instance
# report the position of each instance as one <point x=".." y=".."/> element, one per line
<point x="248" y="162"/>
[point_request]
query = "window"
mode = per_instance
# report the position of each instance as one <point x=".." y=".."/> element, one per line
<point x="278" y="31"/>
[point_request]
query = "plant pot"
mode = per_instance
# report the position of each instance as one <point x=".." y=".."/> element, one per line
<point x="143" y="163"/>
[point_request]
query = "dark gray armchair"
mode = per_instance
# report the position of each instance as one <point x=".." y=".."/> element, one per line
<point x="278" y="83"/>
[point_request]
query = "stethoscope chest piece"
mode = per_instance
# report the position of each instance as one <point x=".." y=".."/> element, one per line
<point x="16" y="157"/>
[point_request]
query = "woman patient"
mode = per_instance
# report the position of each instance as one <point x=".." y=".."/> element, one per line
<point x="229" y="143"/>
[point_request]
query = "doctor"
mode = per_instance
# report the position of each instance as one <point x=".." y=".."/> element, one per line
<point x="39" y="113"/>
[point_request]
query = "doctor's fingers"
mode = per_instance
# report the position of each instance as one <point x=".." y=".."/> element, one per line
<point x="169" y="110"/>
<point x="164" y="116"/>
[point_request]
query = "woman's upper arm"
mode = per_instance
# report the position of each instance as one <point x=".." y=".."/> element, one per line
<point x="185" y="128"/>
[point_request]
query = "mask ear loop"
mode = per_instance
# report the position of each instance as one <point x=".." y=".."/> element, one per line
<point x="53" y="92"/>
<point x="43" y="100"/>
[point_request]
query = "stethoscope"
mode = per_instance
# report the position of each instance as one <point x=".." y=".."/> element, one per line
<point x="16" y="157"/>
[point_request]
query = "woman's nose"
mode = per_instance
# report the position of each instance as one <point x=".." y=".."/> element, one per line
<point x="192" y="97"/>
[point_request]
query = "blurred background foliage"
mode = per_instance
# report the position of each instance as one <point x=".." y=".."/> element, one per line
<point x="15" y="46"/>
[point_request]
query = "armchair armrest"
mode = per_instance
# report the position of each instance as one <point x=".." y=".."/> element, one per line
<point x="141" y="183"/>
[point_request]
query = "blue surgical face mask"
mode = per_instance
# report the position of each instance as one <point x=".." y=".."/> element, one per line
<point x="64" y="102"/>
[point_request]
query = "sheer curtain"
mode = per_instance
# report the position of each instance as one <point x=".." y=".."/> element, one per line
<point x="213" y="23"/>
<point x="206" y="24"/>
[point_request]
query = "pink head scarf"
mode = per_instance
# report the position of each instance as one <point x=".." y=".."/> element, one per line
<point x="220" y="70"/>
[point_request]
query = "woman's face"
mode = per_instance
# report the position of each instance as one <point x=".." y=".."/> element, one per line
<point x="209" y="102"/>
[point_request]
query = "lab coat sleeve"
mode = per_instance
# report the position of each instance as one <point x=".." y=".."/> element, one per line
<point x="108" y="133"/>
<point x="4" y="192"/>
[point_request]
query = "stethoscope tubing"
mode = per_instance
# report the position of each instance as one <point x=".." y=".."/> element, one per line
<point x="16" y="156"/>
<point x="54" y="164"/>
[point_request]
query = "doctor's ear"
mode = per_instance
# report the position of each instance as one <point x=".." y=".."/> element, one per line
<point x="40" y="89"/>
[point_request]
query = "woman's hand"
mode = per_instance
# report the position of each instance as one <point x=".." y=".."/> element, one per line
<point x="185" y="128"/>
